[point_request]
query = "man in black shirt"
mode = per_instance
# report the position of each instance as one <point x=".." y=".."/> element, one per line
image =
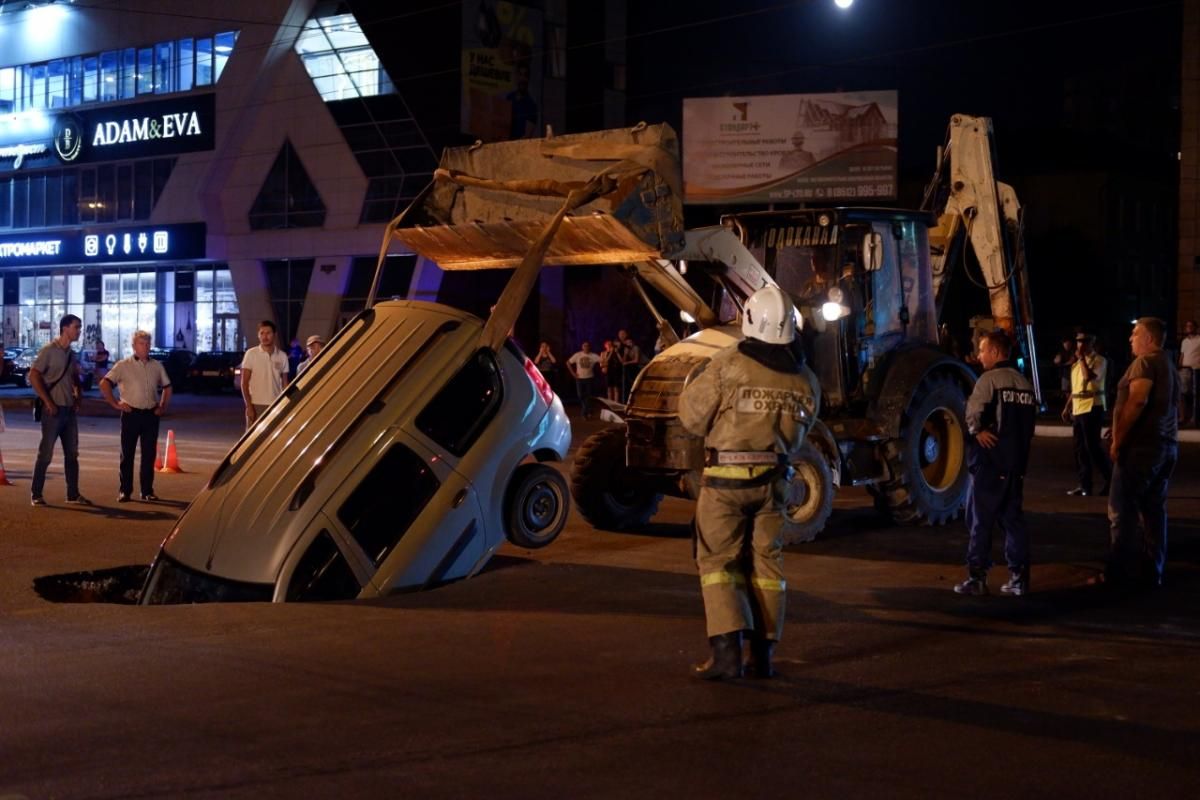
<point x="1144" y="450"/>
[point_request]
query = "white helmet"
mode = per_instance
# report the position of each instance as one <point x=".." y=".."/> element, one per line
<point x="769" y="316"/>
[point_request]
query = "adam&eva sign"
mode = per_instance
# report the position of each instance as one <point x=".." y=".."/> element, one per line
<point x="136" y="130"/>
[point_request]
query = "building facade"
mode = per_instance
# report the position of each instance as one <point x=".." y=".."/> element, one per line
<point x="190" y="174"/>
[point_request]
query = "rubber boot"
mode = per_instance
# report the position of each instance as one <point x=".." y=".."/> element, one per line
<point x="725" y="663"/>
<point x="758" y="664"/>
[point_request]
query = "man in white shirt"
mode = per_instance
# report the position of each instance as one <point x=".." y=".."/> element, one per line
<point x="138" y="378"/>
<point x="1189" y="370"/>
<point x="582" y="366"/>
<point x="264" y="373"/>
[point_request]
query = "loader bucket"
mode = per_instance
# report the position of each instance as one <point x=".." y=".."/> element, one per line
<point x="490" y="203"/>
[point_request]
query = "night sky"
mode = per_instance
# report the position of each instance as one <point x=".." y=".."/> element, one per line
<point x="1082" y="94"/>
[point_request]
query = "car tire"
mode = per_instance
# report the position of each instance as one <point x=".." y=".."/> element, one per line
<point x="928" y="461"/>
<point x="606" y="492"/>
<point x="536" y="506"/>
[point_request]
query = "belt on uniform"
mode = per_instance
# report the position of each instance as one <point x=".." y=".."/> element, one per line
<point x="741" y="458"/>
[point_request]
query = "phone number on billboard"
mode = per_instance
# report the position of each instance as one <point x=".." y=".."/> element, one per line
<point x="835" y="193"/>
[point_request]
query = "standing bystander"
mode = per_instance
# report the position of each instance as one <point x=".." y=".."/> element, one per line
<point x="631" y="358"/>
<point x="54" y="376"/>
<point x="312" y="347"/>
<point x="1001" y="414"/>
<point x="583" y="366"/>
<point x="1145" y="447"/>
<point x="264" y="373"/>
<point x="1189" y="371"/>
<point x="138" y="378"/>
<point x="1085" y="409"/>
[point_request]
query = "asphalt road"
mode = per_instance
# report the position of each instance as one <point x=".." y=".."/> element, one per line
<point x="563" y="672"/>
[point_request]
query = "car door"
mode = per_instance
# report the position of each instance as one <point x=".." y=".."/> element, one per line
<point x="416" y="520"/>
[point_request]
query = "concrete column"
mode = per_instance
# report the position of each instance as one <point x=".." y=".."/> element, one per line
<point x="322" y="303"/>
<point x="254" y="301"/>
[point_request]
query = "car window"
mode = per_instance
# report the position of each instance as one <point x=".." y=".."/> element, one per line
<point x="379" y="512"/>
<point x="323" y="573"/>
<point x="461" y="411"/>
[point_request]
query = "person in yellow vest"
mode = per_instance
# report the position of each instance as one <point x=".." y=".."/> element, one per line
<point x="1085" y="410"/>
<point x="754" y="403"/>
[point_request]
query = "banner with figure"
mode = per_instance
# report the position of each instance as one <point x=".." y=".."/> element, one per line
<point x="501" y="70"/>
<point x="818" y="148"/>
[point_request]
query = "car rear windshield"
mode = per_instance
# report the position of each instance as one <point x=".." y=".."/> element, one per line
<point x="217" y="360"/>
<point x="171" y="582"/>
<point x="461" y="411"/>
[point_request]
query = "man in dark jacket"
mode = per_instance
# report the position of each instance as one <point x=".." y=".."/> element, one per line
<point x="1001" y="414"/>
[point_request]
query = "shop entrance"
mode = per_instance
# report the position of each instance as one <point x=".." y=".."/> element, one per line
<point x="227" y="332"/>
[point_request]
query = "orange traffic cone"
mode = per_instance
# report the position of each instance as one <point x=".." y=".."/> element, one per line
<point x="170" y="459"/>
<point x="4" y="481"/>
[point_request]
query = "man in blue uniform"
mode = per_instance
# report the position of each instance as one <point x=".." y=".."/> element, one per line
<point x="1001" y="413"/>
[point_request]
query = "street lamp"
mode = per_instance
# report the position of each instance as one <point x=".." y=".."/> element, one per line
<point x="843" y="4"/>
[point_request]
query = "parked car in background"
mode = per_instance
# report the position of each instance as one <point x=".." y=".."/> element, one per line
<point x="177" y="361"/>
<point x="22" y="361"/>
<point x="213" y="371"/>
<point x="7" y="367"/>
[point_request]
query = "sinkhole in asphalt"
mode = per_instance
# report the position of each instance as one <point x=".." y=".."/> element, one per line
<point x="120" y="585"/>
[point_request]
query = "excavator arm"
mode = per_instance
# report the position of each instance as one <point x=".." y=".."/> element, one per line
<point x="976" y="210"/>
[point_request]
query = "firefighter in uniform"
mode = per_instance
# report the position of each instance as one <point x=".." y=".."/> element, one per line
<point x="1001" y="414"/>
<point x="753" y="404"/>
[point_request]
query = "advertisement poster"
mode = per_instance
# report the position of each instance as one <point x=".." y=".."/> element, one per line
<point x="816" y="148"/>
<point x="502" y="70"/>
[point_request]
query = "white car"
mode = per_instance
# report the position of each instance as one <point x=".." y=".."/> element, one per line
<point x="401" y="459"/>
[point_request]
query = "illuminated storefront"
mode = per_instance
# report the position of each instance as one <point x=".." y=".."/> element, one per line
<point x="188" y="179"/>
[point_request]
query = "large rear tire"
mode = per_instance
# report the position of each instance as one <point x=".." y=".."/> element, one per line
<point x="928" y="462"/>
<point x="810" y="497"/>
<point x="607" y="493"/>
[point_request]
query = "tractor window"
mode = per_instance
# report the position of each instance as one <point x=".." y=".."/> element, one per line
<point x="459" y="413"/>
<point x="388" y="501"/>
<point x="323" y="574"/>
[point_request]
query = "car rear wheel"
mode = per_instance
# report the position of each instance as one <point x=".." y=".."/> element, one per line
<point x="536" y="507"/>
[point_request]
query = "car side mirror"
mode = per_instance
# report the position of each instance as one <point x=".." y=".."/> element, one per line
<point x="872" y="251"/>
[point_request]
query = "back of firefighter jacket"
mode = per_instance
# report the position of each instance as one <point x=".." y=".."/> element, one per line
<point x="739" y="403"/>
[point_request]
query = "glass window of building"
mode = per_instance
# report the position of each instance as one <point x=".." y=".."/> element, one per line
<point x="56" y="84"/>
<point x="204" y="62"/>
<point x="145" y="71"/>
<point x="128" y="73"/>
<point x="222" y="47"/>
<point x="75" y="82"/>
<point x="108" y="76"/>
<point x="5" y="203"/>
<point x="37" y="201"/>
<point x="8" y="89"/>
<point x="165" y="73"/>
<point x="187" y="62"/>
<point x="20" y="201"/>
<point x="36" y="75"/>
<point x="91" y="79"/>
<point x="339" y="59"/>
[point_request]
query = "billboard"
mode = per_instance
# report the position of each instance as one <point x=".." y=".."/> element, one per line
<point x="790" y="148"/>
<point x="501" y="70"/>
